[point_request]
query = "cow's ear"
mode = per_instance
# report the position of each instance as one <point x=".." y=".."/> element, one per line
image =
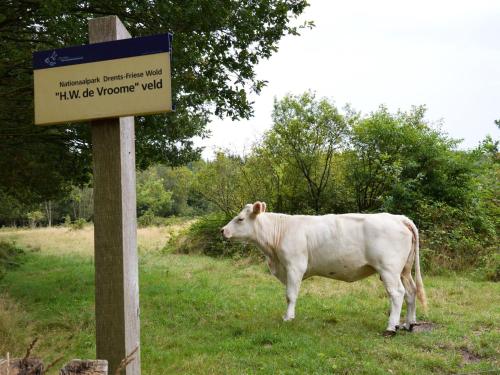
<point x="257" y="208"/>
<point x="264" y="206"/>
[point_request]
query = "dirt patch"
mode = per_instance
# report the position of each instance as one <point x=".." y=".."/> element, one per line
<point x="424" y="327"/>
<point x="419" y="327"/>
<point x="469" y="356"/>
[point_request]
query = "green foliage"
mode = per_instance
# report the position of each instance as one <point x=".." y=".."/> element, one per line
<point x="10" y="257"/>
<point x="152" y="198"/>
<point x="317" y="160"/>
<point x="11" y="209"/>
<point x="306" y="133"/>
<point x="203" y="237"/>
<point x="35" y="217"/>
<point x="67" y="221"/>
<point x="487" y="174"/>
<point x="80" y="202"/>
<point x="162" y="191"/>
<point x="149" y="219"/>
<point x="453" y="239"/>
<point x="74" y="224"/>
<point x="489" y="266"/>
<point x="178" y="181"/>
<point x="397" y="160"/>
<point x="221" y="182"/>
<point x="217" y="45"/>
<point x="146" y="219"/>
<point x="77" y="224"/>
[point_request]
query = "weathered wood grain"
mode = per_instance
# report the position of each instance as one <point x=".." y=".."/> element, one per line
<point x="21" y="366"/>
<point x="115" y="236"/>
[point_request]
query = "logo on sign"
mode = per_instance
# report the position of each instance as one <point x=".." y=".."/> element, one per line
<point x="52" y="59"/>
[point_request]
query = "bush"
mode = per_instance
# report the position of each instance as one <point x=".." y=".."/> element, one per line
<point x="203" y="237"/>
<point x="35" y="217"/>
<point x="77" y="224"/>
<point x="67" y="221"/>
<point x="149" y="219"/>
<point x="10" y="257"/>
<point x="457" y="240"/>
<point x="489" y="267"/>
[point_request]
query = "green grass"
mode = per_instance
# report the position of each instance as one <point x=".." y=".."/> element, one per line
<point x="201" y="315"/>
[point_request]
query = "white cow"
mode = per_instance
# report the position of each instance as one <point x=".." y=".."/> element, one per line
<point x="345" y="247"/>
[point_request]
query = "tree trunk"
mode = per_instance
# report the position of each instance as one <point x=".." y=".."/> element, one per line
<point x="48" y="212"/>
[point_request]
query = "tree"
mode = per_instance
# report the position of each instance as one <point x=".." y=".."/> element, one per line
<point x="306" y="133"/>
<point x="11" y="210"/>
<point x="178" y="181"/>
<point x="263" y="173"/>
<point x="397" y="160"/>
<point x="35" y="217"/>
<point x="152" y="198"/>
<point x="81" y="201"/>
<point x="217" y="45"/>
<point x="487" y="175"/>
<point x="220" y="182"/>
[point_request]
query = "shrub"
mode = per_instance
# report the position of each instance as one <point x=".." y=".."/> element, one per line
<point x="489" y="267"/>
<point x="67" y="221"/>
<point x="203" y="237"/>
<point x="77" y="224"/>
<point x="455" y="239"/>
<point x="149" y="219"/>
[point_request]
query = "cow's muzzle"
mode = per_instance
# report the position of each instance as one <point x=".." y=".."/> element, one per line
<point x="224" y="234"/>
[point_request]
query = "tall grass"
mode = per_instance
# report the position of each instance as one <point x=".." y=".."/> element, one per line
<point x="62" y="240"/>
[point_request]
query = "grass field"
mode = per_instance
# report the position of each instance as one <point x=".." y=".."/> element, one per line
<point x="201" y="315"/>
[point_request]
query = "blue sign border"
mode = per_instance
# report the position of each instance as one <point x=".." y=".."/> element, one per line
<point x="116" y="49"/>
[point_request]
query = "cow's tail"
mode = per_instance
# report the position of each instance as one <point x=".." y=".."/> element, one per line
<point x="418" y="276"/>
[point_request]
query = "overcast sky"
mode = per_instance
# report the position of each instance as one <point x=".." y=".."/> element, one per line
<point x="441" y="53"/>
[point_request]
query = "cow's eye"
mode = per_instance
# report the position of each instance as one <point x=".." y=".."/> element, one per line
<point x="240" y="219"/>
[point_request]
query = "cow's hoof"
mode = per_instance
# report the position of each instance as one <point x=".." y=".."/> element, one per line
<point x="288" y="318"/>
<point x="412" y="325"/>
<point x="388" y="333"/>
<point x="403" y="327"/>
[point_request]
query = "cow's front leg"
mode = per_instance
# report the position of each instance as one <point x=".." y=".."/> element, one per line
<point x="293" y="280"/>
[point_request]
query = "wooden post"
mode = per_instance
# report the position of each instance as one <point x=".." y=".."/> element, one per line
<point x="21" y="366"/>
<point x="115" y="237"/>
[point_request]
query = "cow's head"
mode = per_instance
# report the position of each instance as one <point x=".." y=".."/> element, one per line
<point x="242" y="227"/>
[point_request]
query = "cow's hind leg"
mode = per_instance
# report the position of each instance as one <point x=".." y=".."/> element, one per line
<point x="410" y="296"/>
<point x="293" y="279"/>
<point x="410" y="292"/>
<point x="396" y="292"/>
